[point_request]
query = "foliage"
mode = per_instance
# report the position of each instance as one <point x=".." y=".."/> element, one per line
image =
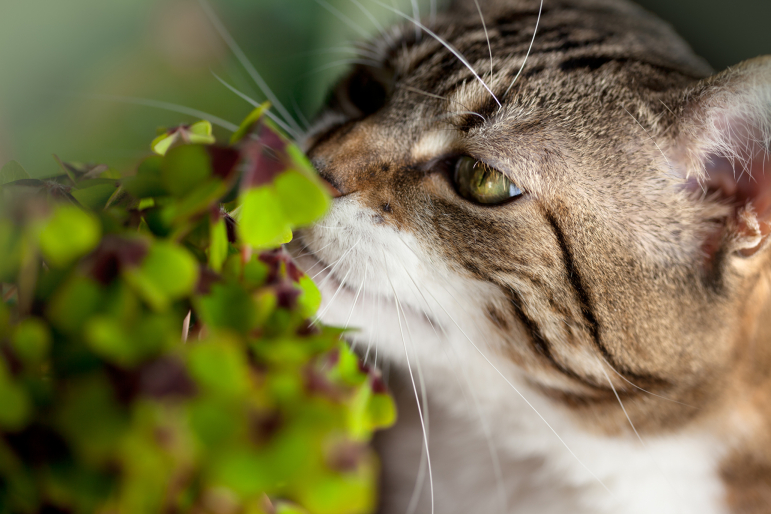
<point x="157" y="353"/>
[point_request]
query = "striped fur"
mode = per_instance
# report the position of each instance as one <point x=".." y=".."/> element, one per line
<point x="625" y="295"/>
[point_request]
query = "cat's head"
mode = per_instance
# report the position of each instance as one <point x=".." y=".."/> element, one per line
<point x="597" y="225"/>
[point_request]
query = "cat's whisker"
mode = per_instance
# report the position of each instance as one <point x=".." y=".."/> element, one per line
<point x="649" y="136"/>
<point x="289" y="130"/>
<point x="343" y="18"/>
<point x="446" y="99"/>
<point x="639" y="438"/>
<point x="667" y="107"/>
<point x="537" y="22"/>
<point x="447" y="45"/>
<point x="334" y="265"/>
<point x="313" y="252"/>
<point x="414" y="387"/>
<point x="250" y="69"/>
<point x="485" y="428"/>
<point x="455" y="114"/>
<point x="425" y="93"/>
<point x="320" y="315"/>
<point x="355" y="300"/>
<point x="369" y="15"/>
<point x="622" y="377"/>
<point x="306" y="126"/>
<point x="372" y="333"/>
<point x="495" y="368"/>
<point x="487" y="37"/>
<point x="166" y="106"/>
<point x="421" y="471"/>
<point x="416" y="15"/>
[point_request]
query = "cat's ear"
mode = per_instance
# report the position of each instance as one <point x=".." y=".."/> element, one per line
<point x="723" y="147"/>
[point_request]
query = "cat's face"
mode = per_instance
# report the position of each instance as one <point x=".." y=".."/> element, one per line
<point x="553" y="231"/>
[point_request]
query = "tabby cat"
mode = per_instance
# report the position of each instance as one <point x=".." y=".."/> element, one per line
<point x="556" y="241"/>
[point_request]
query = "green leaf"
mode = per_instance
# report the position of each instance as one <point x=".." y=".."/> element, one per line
<point x="200" y="133"/>
<point x="249" y="122"/>
<point x="69" y="234"/>
<point x="184" y="168"/>
<point x="309" y="300"/>
<point x="96" y="196"/>
<point x="228" y="306"/>
<point x="162" y="143"/>
<point x="381" y="412"/>
<point x="220" y="366"/>
<point x="167" y="273"/>
<point x="261" y="219"/>
<point x="340" y="494"/>
<point x="245" y="472"/>
<point x="218" y="244"/>
<point x="147" y="183"/>
<point x="10" y="250"/>
<point x="303" y="200"/>
<point x="127" y="346"/>
<point x="11" y="172"/>
<point x="108" y="338"/>
<point x="16" y="408"/>
<point x="289" y="508"/>
<point x="74" y="303"/>
<point x="31" y="341"/>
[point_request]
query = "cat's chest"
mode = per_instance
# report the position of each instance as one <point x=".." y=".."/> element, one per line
<point x="495" y="455"/>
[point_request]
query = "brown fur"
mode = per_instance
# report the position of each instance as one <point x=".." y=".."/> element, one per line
<point x="612" y="254"/>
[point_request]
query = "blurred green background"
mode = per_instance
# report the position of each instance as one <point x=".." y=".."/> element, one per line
<point x="60" y="60"/>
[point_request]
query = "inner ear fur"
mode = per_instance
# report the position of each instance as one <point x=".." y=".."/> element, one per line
<point x="723" y="147"/>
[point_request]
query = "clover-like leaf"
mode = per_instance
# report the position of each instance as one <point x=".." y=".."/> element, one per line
<point x="11" y="172"/>
<point x="302" y="199"/>
<point x="184" y="168"/>
<point x="261" y="221"/>
<point x="69" y="234"/>
<point x="167" y="273"/>
<point x="249" y="122"/>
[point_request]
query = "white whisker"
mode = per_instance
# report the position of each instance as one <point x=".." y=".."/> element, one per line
<point x="487" y="37"/>
<point x="414" y="387"/>
<point x="255" y="103"/>
<point x="343" y="18"/>
<point x="513" y="387"/>
<point x="485" y="428"/>
<point x="250" y="69"/>
<point x="356" y="299"/>
<point x="416" y="15"/>
<point x="334" y="265"/>
<point x="622" y="377"/>
<point x="369" y="15"/>
<point x="530" y="48"/>
<point x="647" y="450"/>
<point x="332" y="300"/>
<point x="447" y="45"/>
<point x="166" y="106"/>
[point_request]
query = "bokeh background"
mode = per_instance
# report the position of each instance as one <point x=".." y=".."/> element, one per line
<point x="66" y="64"/>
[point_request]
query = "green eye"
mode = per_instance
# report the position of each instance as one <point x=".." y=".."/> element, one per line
<point x="478" y="182"/>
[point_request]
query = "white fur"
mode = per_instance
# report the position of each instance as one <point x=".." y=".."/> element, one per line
<point x="472" y="410"/>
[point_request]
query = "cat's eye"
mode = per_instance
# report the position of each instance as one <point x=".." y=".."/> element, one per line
<point x="479" y="183"/>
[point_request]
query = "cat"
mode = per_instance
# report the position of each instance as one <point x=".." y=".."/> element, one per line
<point x="551" y="228"/>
